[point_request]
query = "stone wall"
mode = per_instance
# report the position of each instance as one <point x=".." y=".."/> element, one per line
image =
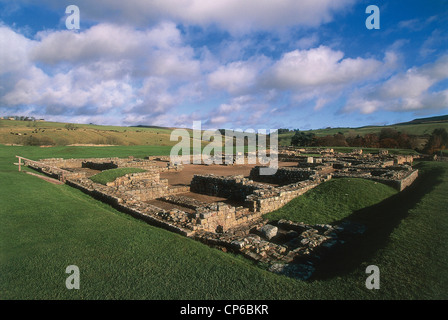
<point x="63" y="163"/>
<point x="404" y="159"/>
<point x="257" y="198"/>
<point x="283" y="175"/>
<point x="156" y="191"/>
<point x="137" y="209"/>
<point x="53" y="171"/>
<point x="232" y="187"/>
<point x="265" y="201"/>
<point x="140" y="178"/>
<point x="407" y="181"/>
<point x="94" y="165"/>
<point x="396" y="179"/>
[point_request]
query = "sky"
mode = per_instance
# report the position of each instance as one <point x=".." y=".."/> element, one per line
<point x="233" y="64"/>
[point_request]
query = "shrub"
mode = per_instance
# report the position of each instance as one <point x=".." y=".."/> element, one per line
<point x="35" y="141"/>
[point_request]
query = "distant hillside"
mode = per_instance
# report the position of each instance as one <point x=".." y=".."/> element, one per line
<point x="439" y="119"/>
<point x="421" y="128"/>
<point x="19" y="132"/>
<point x="57" y="133"/>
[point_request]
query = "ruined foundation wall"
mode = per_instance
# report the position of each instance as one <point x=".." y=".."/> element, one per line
<point x="147" y="213"/>
<point x="157" y="191"/>
<point x="136" y="178"/>
<point x="233" y="187"/>
<point x="282" y="175"/>
<point x="258" y="198"/>
<point x="406" y="182"/>
<point x="263" y="203"/>
<point x="398" y="182"/>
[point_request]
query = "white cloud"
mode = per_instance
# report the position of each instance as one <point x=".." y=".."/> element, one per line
<point x="233" y="15"/>
<point x="308" y="42"/>
<point x="408" y="91"/>
<point x="99" y="70"/>
<point x="157" y="51"/>
<point x="14" y="52"/>
<point x="239" y="76"/>
<point x="319" y="67"/>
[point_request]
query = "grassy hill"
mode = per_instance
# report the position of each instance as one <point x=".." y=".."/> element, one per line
<point x="57" y="133"/>
<point x="418" y="127"/>
<point x="16" y="132"/>
<point x="333" y="200"/>
<point x="62" y="134"/>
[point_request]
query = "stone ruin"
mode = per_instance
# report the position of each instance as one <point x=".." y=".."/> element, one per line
<point x="227" y="211"/>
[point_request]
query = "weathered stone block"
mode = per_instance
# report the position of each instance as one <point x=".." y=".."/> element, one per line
<point x="268" y="231"/>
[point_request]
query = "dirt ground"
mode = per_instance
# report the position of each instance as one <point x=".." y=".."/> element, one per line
<point x="184" y="176"/>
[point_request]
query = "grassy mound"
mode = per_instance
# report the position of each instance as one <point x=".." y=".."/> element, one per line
<point x="112" y="174"/>
<point x="333" y="200"/>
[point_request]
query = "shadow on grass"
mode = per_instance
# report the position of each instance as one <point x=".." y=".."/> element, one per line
<point x="381" y="220"/>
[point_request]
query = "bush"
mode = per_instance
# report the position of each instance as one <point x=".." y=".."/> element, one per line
<point x="34" y="141"/>
<point x="437" y="141"/>
<point x="70" y="126"/>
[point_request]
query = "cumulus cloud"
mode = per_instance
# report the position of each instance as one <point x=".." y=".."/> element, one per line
<point x="233" y="15"/>
<point x="14" y="53"/>
<point x="319" y="67"/>
<point x="407" y="91"/>
<point x="239" y="76"/>
<point x="153" y="75"/>
<point x="101" y="69"/>
<point x="159" y="50"/>
<point x="240" y="112"/>
<point x="145" y="74"/>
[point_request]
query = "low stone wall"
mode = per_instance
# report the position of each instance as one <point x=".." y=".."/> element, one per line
<point x="99" y="165"/>
<point x="156" y="191"/>
<point x="398" y="180"/>
<point x="283" y="175"/>
<point x="407" y="181"/>
<point x="63" y="163"/>
<point x="257" y="198"/>
<point x="268" y="201"/>
<point x="404" y="159"/>
<point x="221" y="217"/>
<point x="232" y="187"/>
<point x="53" y="171"/>
<point x="137" y="209"/>
<point x="136" y="179"/>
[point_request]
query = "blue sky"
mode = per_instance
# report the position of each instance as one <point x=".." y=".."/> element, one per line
<point x="234" y="64"/>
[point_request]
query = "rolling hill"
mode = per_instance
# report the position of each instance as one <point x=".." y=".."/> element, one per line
<point x="418" y="127"/>
<point x="57" y="133"/>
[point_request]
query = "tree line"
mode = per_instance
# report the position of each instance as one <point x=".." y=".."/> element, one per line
<point x="387" y="138"/>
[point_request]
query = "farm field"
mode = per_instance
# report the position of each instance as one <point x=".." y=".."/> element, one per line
<point x="46" y="227"/>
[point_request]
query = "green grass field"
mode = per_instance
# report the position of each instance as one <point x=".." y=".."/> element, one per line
<point x="333" y="200"/>
<point x="112" y="174"/>
<point x="46" y="227"/>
